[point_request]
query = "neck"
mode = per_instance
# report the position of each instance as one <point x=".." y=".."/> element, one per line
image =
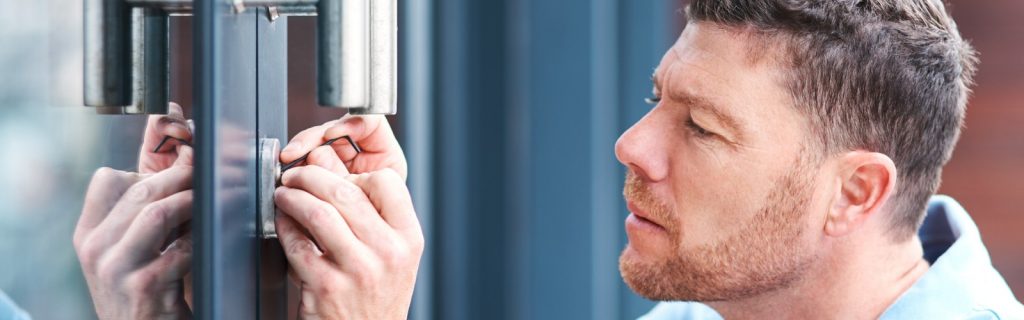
<point x="857" y="279"/>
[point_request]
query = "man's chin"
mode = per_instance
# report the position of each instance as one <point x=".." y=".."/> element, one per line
<point x="662" y="278"/>
<point x="641" y="274"/>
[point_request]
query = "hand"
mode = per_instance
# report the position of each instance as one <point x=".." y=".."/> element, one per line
<point x="372" y="133"/>
<point x="173" y="124"/>
<point x="364" y="245"/>
<point x="121" y="241"/>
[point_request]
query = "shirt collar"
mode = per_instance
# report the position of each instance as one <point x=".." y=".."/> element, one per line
<point x="961" y="279"/>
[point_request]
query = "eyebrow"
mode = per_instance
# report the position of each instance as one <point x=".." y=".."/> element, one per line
<point x="702" y="103"/>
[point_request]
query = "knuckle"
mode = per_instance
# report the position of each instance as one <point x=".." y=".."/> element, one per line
<point x="108" y="271"/>
<point x="365" y="276"/>
<point x="320" y="215"/>
<point x="155" y="214"/>
<point x="139" y="192"/>
<point x="399" y="255"/>
<point x="88" y="255"/>
<point x="78" y="240"/>
<point x="104" y="174"/>
<point x="324" y="290"/>
<point x="142" y="282"/>
<point x="110" y="175"/>
<point x="394" y="258"/>
<point x="327" y="286"/>
<point x="104" y="178"/>
<point x="92" y="248"/>
<point x="298" y="248"/>
<point x="345" y="191"/>
<point x="417" y="243"/>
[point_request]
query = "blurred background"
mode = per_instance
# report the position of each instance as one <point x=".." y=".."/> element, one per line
<point x="509" y="111"/>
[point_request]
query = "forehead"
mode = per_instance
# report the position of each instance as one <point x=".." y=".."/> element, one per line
<point x="718" y="64"/>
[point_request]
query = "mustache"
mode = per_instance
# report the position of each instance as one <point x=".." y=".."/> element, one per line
<point x="638" y="192"/>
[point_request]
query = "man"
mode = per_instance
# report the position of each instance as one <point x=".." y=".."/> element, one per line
<point x="783" y="173"/>
<point x="787" y="167"/>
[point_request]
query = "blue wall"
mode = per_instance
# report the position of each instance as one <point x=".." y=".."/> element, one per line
<point x="510" y="114"/>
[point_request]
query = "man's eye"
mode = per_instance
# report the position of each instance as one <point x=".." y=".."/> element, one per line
<point x="652" y="100"/>
<point x="698" y="130"/>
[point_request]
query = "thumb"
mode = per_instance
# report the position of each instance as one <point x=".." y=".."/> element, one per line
<point x="185" y="155"/>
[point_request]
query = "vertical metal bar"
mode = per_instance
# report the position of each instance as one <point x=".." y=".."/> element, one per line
<point x="342" y="48"/>
<point x="150" y="68"/>
<point x="156" y="72"/>
<point x="107" y="77"/>
<point x="226" y="262"/>
<point x="204" y="183"/>
<point x="418" y="138"/>
<point x="203" y="303"/>
<point x="383" y="58"/>
<point x="272" y="122"/>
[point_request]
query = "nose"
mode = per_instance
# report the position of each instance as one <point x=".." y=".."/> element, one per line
<point x="642" y="149"/>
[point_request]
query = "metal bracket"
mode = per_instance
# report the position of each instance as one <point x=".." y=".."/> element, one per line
<point x="270" y="174"/>
<point x="126" y="47"/>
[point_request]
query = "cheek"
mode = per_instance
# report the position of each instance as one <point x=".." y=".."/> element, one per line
<point x="713" y="200"/>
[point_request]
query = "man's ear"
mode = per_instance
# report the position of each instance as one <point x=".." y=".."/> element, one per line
<point x="866" y="181"/>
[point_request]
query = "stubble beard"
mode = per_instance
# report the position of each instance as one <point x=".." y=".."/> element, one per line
<point x="762" y="256"/>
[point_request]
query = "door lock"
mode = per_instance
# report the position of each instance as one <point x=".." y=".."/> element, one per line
<point x="270" y="177"/>
<point x="270" y="174"/>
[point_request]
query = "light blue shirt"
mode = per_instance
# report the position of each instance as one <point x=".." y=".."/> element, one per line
<point x="960" y="284"/>
<point x="9" y="311"/>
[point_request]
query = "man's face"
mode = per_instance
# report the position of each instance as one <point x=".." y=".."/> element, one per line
<point x="720" y="178"/>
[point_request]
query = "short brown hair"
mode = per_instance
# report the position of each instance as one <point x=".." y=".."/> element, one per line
<point x="888" y="76"/>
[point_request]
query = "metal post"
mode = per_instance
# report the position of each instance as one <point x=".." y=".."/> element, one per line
<point x="150" y="68"/>
<point x="383" y="58"/>
<point x="107" y="54"/>
<point x="342" y="49"/>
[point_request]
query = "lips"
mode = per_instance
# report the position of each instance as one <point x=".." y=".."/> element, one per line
<point x="641" y="214"/>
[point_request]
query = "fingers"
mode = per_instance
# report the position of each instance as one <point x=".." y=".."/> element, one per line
<point x="326" y="225"/>
<point x="389" y="194"/>
<point x="105" y="189"/>
<point x="185" y="156"/>
<point x="148" y="232"/>
<point x="303" y="256"/>
<point x="174" y="110"/>
<point x="372" y="133"/>
<point x="344" y="196"/>
<point x="173" y="124"/>
<point x="152" y="188"/>
<point x="305" y="141"/>
<point x="175" y="262"/>
<point x="325" y="157"/>
<point x="154" y="156"/>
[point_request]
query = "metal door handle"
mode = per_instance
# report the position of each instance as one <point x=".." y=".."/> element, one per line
<point x="126" y="47"/>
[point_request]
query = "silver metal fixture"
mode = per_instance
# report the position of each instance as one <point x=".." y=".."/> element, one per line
<point x="270" y="173"/>
<point x="126" y="48"/>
